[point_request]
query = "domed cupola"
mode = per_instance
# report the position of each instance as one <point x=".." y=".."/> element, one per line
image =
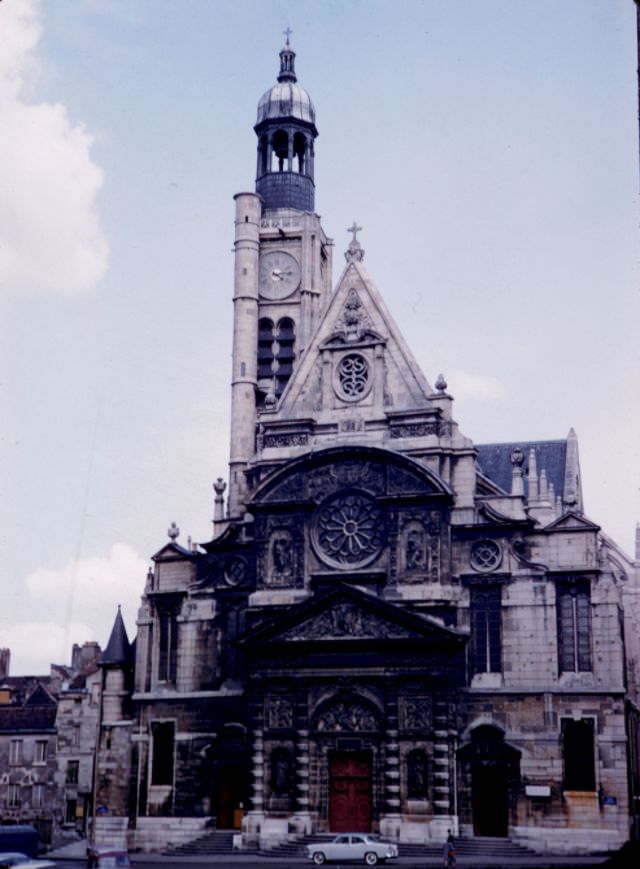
<point x="286" y="130"/>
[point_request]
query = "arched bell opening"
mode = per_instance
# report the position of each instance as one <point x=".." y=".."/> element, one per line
<point x="263" y="155"/>
<point x="300" y="152"/>
<point x="285" y="354"/>
<point x="280" y="150"/>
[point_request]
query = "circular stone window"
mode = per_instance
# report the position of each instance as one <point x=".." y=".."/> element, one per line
<point x="235" y="570"/>
<point x="352" y="377"/>
<point x="486" y="555"/>
<point x="348" y="530"/>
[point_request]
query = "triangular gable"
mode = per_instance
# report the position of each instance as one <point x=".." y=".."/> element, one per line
<point x="358" y="319"/>
<point x="171" y="552"/>
<point x="40" y="697"/>
<point x="349" y="614"/>
<point x="571" y="521"/>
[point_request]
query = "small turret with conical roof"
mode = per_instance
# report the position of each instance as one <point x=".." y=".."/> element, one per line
<point x="116" y="662"/>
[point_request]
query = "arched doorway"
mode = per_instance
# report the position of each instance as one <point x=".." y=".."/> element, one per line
<point x="229" y="773"/>
<point x="491" y="770"/>
<point x="347" y="736"/>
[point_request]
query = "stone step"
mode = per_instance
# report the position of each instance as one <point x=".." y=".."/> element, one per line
<point x="214" y="842"/>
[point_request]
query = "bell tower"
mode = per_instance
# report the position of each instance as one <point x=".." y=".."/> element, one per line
<point x="282" y="266"/>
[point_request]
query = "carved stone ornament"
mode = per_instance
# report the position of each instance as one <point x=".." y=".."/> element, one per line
<point x="485" y="555"/>
<point x="281" y="556"/>
<point x="415" y="713"/>
<point x="345" y="620"/>
<point x="290" y="439"/>
<point x="278" y="713"/>
<point x="345" y="716"/>
<point x="353" y="321"/>
<point x="352" y="380"/>
<point x="349" y="530"/>
<point x="415" y="430"/>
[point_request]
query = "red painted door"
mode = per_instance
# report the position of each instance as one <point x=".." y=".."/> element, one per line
<point x="350" y="792"/>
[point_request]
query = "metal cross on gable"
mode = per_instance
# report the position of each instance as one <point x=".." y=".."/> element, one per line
<point x="354" y="229"/>
<point x="288" y="33"/>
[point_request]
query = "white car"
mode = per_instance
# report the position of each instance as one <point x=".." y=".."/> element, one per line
<point x="352" y="846"/>
<point x="11" y="859"/>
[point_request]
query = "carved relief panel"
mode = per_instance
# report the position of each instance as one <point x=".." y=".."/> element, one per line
<point x="278" y="713"/>
<point x="416" y="713"/>
<point x="417" y="546"/>
<point x="280" y="544"/>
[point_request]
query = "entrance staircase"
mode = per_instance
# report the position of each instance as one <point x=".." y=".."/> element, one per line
<point x="215" y="842"/>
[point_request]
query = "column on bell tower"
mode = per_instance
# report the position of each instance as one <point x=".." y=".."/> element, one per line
<point x="244" y="376"/>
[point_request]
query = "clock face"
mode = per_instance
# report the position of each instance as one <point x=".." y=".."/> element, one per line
<point x="279" y="274"/>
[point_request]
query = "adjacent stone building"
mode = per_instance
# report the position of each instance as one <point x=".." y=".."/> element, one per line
<point x="48" y="727"/>
<point x="393" y="628"/>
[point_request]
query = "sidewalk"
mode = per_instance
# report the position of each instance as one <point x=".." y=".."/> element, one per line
<point x="78" y="851"/>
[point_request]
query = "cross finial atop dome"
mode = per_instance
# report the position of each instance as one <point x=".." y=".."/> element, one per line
<point x="287" y="59"/>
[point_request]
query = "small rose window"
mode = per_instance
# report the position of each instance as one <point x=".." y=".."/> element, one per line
<point x="353" y="379"/>
<point x="486" y="555"/>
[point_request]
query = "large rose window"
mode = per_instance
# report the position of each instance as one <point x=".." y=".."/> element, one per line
<point x="348" y="530"/>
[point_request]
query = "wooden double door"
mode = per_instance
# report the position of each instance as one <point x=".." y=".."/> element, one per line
<point x="350" y="791"/>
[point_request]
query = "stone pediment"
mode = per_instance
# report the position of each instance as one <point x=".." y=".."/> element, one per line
<point x="345" y="620"/>
<point x="572" y="522"/>
<point x="350" y="614"/>
<point x="357" y="359"/>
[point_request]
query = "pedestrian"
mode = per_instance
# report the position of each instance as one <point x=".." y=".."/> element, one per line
<point x="449" y="853"/>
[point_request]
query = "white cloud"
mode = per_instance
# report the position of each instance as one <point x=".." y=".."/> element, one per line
<point x="50" y="234"/>
<point x="36" y="645"/>
<point x="465" y="385"/>
<point x="73" y="604"/>
<point x="95" y="585"/>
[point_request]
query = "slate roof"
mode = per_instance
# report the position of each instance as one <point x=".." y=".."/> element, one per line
<point x="36" y="713"/>
<point x="494" y="461"/>
<point x="118" y="649"/>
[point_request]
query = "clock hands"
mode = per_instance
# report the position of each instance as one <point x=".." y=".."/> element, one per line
<point x="280" y="274"/>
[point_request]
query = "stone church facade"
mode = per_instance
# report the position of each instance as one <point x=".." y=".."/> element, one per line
<point x="393" y="629"/>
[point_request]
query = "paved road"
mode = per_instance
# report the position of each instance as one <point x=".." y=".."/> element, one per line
<point x="155" y="861"/>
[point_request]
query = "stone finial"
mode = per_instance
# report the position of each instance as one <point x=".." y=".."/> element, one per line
<point x="150" y="576"/>
<point x="517" y="461"/>
<point x="219" y="487"/>
<point x="173" y="532"/>
<point x="532" y="477"/>
<point x="638" y="542"/>
<point x="441" y="384"/>
<point x="355" y="251"/>
<point x="544" y="486"/>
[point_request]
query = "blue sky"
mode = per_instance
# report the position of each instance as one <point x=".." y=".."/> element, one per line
<point x="488" y="148"/>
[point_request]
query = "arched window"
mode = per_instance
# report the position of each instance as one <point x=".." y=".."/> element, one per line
<point x="417" y="775"/>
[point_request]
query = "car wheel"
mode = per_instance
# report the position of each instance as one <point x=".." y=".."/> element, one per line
<point x="370" y="858"/>
<point x="319" y="858"/>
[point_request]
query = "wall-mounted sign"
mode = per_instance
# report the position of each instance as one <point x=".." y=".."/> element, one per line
<point x="537" y="790"/>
